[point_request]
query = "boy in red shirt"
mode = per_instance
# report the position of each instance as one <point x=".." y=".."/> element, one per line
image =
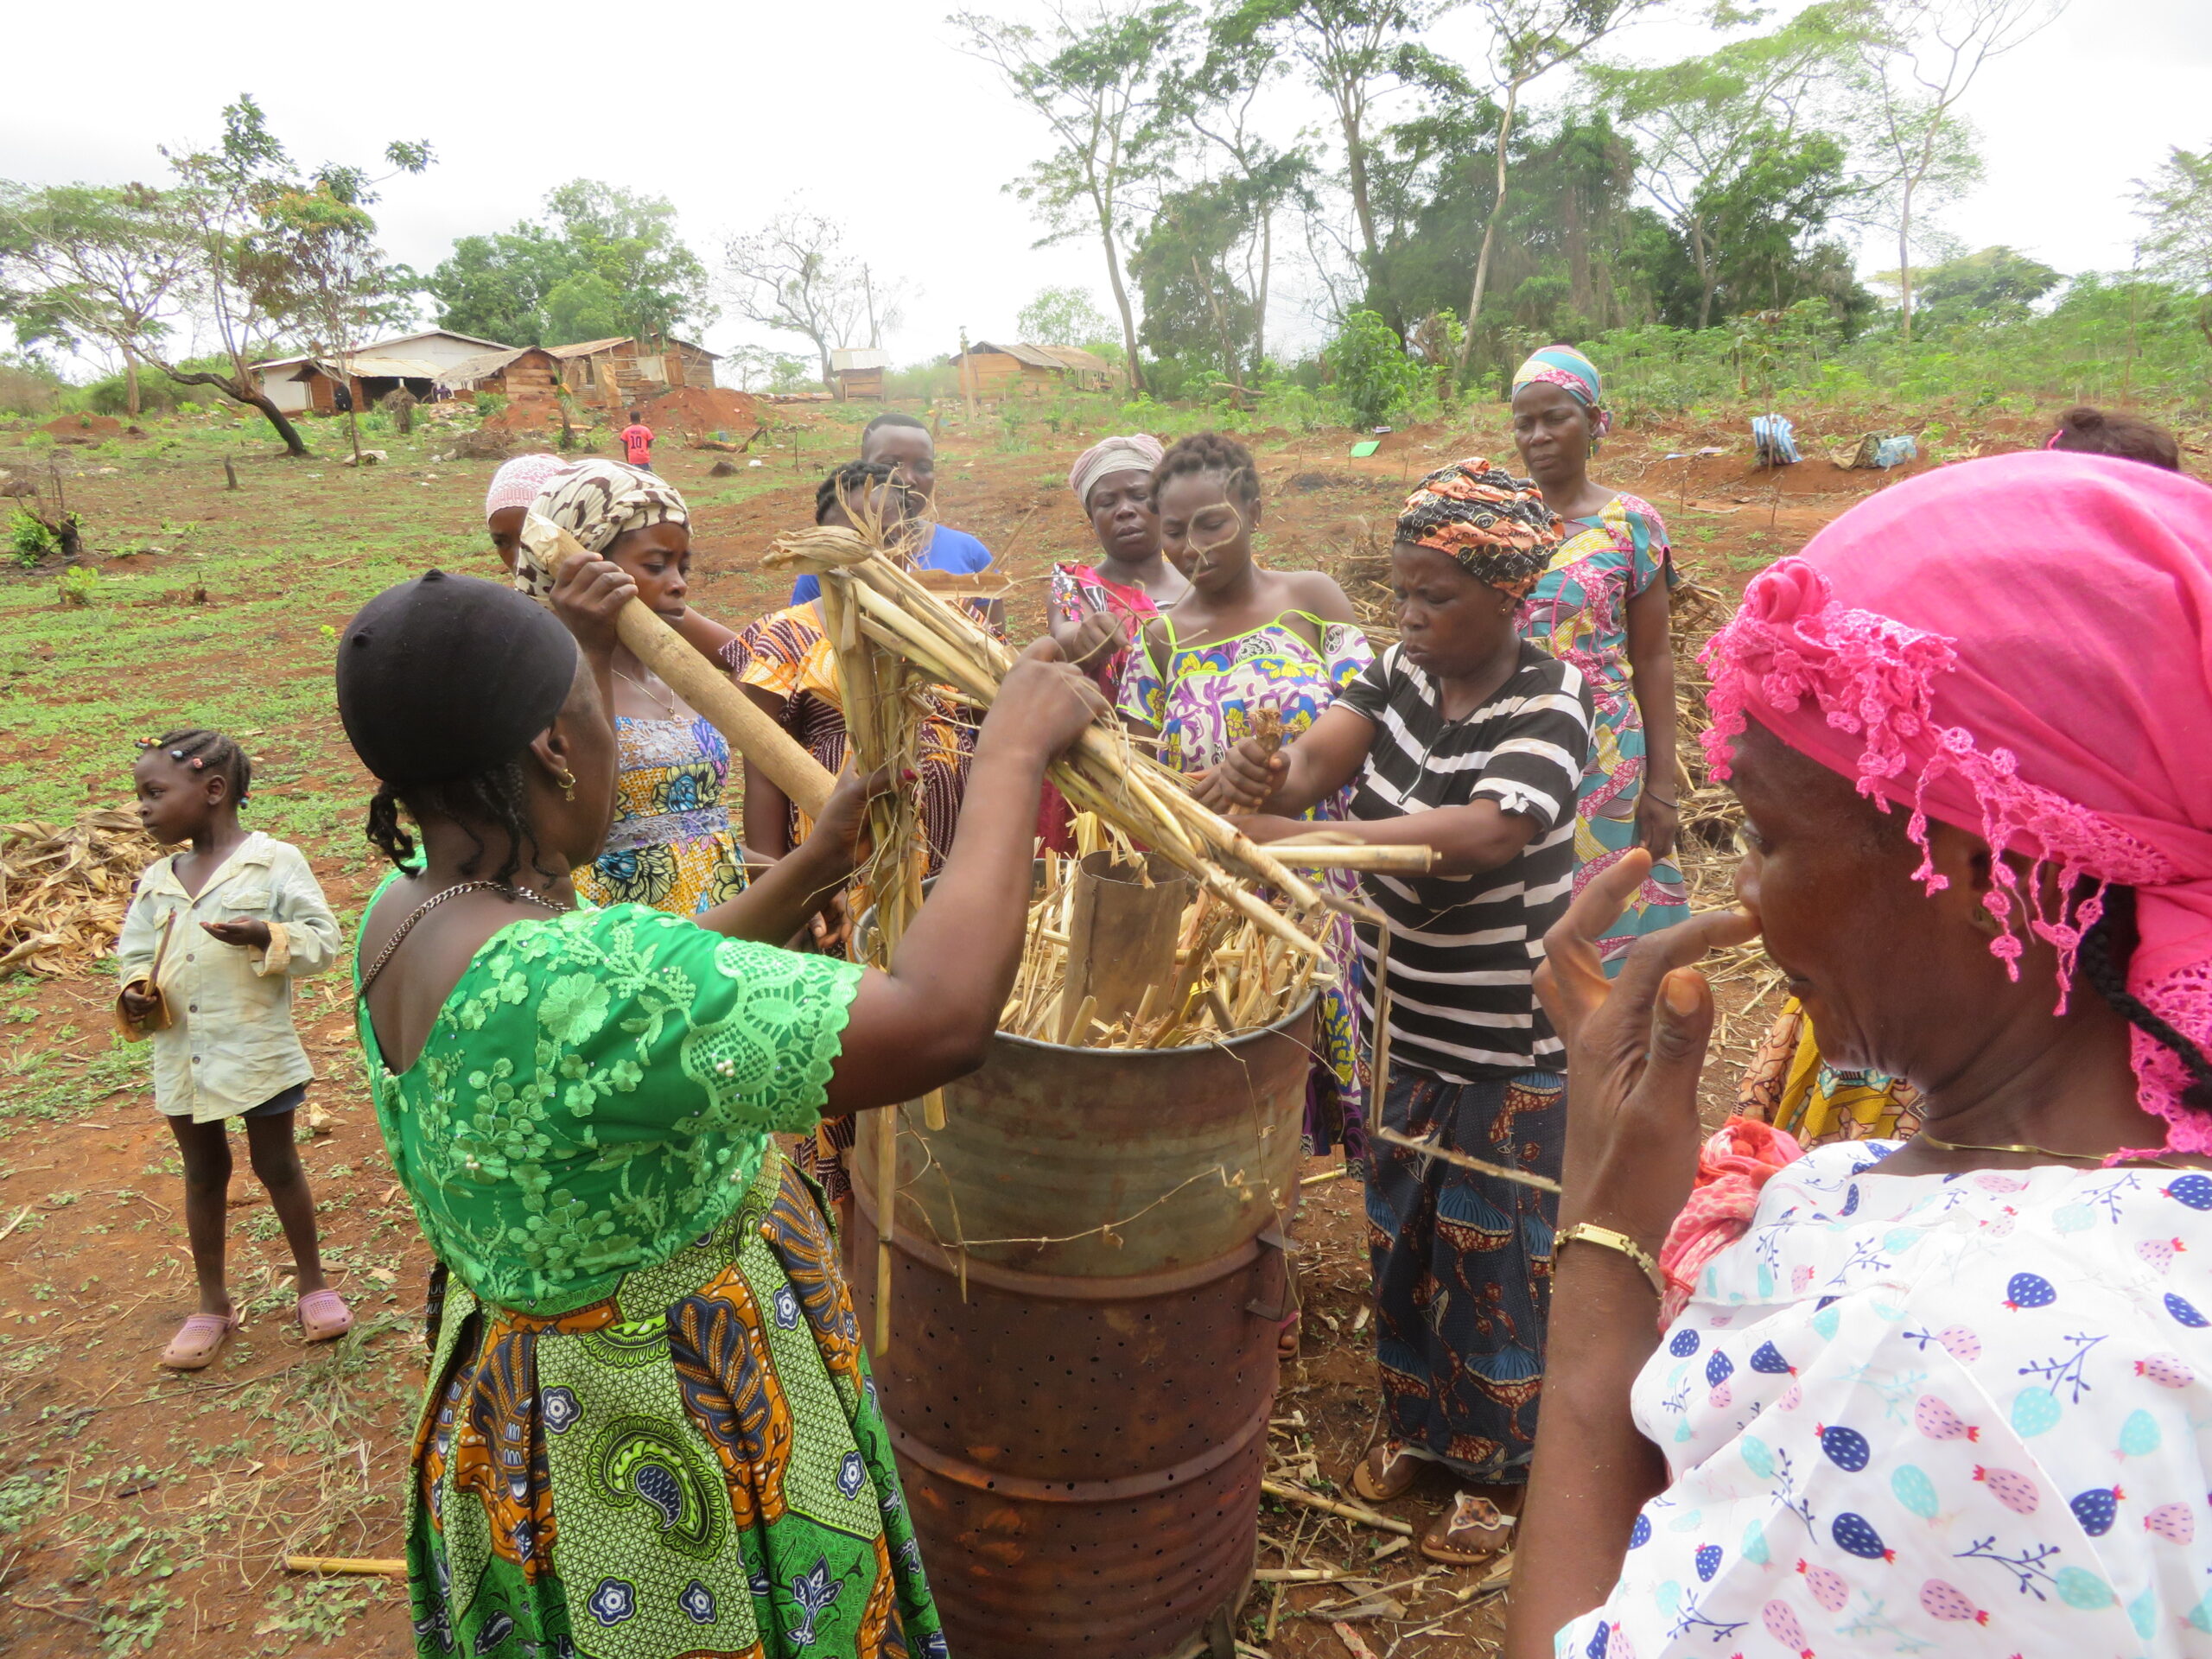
<point x="637" y="442"/>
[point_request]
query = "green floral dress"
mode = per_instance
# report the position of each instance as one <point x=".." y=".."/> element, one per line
<point x="649" y="1428"/>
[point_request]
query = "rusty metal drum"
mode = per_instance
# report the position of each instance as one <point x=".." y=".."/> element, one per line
<point x="1088" y="1284"/>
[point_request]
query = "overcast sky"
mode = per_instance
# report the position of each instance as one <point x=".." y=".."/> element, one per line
<point x="868" y="110"/>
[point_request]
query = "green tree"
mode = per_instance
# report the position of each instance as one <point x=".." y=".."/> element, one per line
<point x="598" y="240"/>
<point x="1707" y="127"/>
<point x="1995" y="279"/>
<point x="1528" y="40"/>
<point x="1193" y="308"/>
<point x="1374" y="376"/>
<point x="2176" y="206"/>
<point x="1063" y="316"/>
<point x="1094" y="78"/>
<point x="1356" y="53"/>
<point x="90" y="265"/>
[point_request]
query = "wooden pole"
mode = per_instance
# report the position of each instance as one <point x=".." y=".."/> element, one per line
<point x="967" y="386"/>
<point x="706" y="687"/>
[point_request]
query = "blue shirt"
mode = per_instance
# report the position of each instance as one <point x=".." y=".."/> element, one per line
<point x="948" y="549"/>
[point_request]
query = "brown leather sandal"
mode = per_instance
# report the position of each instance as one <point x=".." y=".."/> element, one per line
<point x="1387" y="1472"/>
<point x="1472" y="1530"/>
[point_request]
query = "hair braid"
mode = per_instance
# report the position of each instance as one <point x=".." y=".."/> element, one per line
<point x="209" y="751"/>
<point x="855" y="480"/>
<point x="498" y="797"/>
<point x="2106" y="949"/>
<point x="1210" y="452"/>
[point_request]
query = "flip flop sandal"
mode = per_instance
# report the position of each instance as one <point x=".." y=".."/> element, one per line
<point x="198" y="1340"/>
<point x="1387" y="1472"/>
<point x="1472" y="1530"/>
<point x="323" y="1315"/>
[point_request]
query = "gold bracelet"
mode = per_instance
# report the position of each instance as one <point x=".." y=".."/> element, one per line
<point x="1584" y="1231"/>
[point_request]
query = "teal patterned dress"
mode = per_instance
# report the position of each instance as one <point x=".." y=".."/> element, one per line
<point x="649" y="1428"/>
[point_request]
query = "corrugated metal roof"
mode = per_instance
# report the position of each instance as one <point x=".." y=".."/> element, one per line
<point x="858" y="356"/>
<point x="1076" y="358"/>
<point x="392" y="368"/>
<point x="590" y="347"/>
<point x="1044" y="357"/>
<point x="482" y="367"/>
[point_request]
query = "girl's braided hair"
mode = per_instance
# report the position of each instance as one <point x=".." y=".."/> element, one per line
<point x="1210" y="452"/>
<point x="205" y="751"/>
<point x="2106" y="949"/>
<point x="498" y="796"/>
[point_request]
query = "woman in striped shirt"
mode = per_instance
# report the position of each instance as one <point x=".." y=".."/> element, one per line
<point x="1467" y="739"/>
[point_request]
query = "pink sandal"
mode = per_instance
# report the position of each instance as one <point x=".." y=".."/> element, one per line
<point x="198" y="1340"/>
<point x="323" y="1315"/>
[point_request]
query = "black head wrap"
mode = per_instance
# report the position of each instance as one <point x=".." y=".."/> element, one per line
<point x="445" y="676"/>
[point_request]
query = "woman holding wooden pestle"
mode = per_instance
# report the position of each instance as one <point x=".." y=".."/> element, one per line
<point x="1465" y="739"/>
<point x="650" y="1424"/>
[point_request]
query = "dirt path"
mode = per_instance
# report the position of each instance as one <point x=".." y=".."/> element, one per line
<point x="140" y="1510"/>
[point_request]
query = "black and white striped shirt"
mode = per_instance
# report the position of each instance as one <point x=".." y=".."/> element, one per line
<point x="1464" y="949"/>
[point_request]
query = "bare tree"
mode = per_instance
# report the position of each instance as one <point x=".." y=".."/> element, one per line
<point x="1094" y="78"/>
<point x="1528" y="40"/>
<point x="794" y="275"/>
<point x="1918" y="71"/>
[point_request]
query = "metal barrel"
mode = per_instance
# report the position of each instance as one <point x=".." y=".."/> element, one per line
<point x="1089" y="1280"/>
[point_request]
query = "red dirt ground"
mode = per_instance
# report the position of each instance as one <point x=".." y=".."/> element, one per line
<point x="96" y="1263"/>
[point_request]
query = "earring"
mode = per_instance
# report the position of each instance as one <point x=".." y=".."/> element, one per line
<point x="566" y="779"/>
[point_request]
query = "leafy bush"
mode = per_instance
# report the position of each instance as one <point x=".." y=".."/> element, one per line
<point x="1375" y="378"/>
<point x="489" y="404"/>
<point x="78" y="585"/>
<point x="31" y="540"/>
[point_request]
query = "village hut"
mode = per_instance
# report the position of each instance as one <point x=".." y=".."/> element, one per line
<point x="989" y="370"/>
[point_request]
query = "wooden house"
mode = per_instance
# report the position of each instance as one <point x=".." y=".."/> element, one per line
<point x="526" y="372"/>
<point x="857" y="372"/>
<point x="619" y="371"/>
<point x="989" y="370"/>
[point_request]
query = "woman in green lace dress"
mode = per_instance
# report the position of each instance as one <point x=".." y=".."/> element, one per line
<point x="649" y="1428"/>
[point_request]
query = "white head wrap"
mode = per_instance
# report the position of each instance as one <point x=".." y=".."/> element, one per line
<point x="516" y="484"/>
<point x="1138" y="452"/>
<point x="595" y="501"/>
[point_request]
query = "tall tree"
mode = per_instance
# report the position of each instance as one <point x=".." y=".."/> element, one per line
<point x="1528" y="40"/>
<point x="2177" y="206"/>
<point x="793" y="275"/>
<point x="1194" y="307"/>
<point x="91" y="264"/>
<point x="1918" y="68"/>
<point x="1356" y="53"/>
<point x="1094" y="77"/>
<point x="1705" y="124"/>
<point x="1214" y="95"/>
<point x="605" y="261"/>
<point x="1062" y="317"/>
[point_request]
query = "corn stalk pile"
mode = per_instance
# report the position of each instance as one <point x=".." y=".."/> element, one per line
<point x="63" y="890"/>
<point x="1225" y="977"/>
<point x="1103" y="773"/>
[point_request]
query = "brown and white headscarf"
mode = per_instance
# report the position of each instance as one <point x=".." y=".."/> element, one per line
<point x="595" y="501"/>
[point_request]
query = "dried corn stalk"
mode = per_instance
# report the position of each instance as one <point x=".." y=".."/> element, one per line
<point x="63" y="890"/>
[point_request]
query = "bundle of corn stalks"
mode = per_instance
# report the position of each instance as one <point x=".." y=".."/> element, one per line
<point x="1143" y="800"/>
<point x="63" y="890"/>
<point x="1123" y="952"/>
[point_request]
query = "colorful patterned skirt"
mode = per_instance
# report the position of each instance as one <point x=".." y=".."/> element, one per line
<point x="696" y="1464"/>
<point x="1791" y="1086"/>
<point x="1462" y="1267"/>
<point x="697" y="867"/>
<point x="1605" y="827"/>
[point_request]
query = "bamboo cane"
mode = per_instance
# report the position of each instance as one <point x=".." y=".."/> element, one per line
<point x="355" y="1566"/>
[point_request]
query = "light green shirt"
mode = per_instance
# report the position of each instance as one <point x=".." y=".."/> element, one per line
<point x="230" y="1046"/>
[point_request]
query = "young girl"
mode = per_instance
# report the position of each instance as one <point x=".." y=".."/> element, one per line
<point x="1243" y="638"/>
<point x="213" y="939"/>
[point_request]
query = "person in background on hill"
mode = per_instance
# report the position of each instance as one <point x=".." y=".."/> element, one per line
<point x="1467" y="738"/>
<point x="904" y="444"/>
<point x="1241" y="639"/>
<point x="1602" y="606"/>
<point x="671" y="845"/>
<point x="1950" y="1395"/>
<point x="2092" y="431"/>
<point x="638" y="441"/>
<point x="212" y="943"/>
<point x="650" y="1428"/>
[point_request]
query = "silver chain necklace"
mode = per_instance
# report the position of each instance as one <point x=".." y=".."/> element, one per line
<point x="407" y="925"/>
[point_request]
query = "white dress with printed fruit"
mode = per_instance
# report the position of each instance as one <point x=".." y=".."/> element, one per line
<point x="1960" y="1415"/>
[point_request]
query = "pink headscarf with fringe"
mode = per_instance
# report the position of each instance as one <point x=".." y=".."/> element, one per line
<point x="2021" y="647"/>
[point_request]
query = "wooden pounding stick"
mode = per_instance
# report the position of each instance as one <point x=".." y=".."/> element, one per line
<point x="699" y="682"/>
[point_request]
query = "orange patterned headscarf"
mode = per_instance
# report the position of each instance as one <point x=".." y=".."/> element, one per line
<point x="1495" y="525"/>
